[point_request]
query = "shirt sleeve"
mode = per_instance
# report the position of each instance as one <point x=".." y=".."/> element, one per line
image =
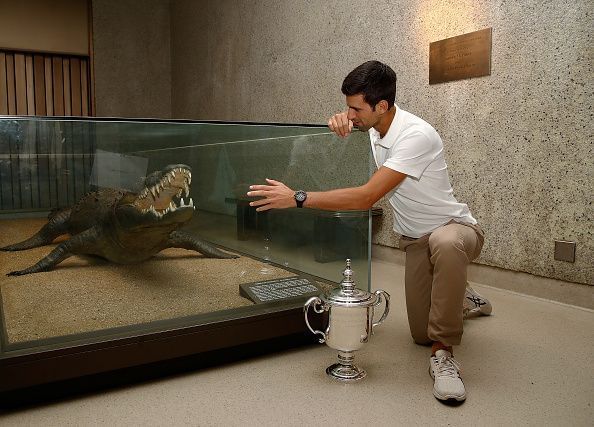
<point x="413" y="153"/>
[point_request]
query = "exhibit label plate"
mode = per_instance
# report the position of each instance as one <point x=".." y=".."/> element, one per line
<point x="279" y="289"/>
<point x="460" y="57"/>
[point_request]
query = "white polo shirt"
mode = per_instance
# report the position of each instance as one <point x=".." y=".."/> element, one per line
<point x="424" y="200"/>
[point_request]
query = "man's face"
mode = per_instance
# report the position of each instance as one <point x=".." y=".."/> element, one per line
<point x="361" y="113"/>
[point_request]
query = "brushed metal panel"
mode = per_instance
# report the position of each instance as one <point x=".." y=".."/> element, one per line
<point x="564" y="251"/>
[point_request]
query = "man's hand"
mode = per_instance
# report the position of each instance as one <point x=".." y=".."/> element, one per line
<point x="276" y="195"/>
<point x="340" y="124"/>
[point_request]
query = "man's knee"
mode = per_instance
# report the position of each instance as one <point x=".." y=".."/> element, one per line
<point x="444" y="235"/>
<point x="447" y="239"/>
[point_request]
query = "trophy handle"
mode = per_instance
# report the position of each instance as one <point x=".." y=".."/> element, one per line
<point x="318" y="308"/>
<point x="386" y="295"/>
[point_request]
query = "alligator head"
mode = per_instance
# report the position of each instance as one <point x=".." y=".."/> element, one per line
<point x="162" y="202"/>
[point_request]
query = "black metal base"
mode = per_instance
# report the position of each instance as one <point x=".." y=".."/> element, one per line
<point x="60" y="390"/>
<point x="214" y="341"/>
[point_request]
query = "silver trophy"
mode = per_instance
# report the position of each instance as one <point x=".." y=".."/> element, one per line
<point x="350" y="323"/>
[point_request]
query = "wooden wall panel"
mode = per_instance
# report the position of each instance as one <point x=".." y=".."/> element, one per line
<point x="10" y="84"/>
<point x="46" y="163"/>
<point x="58" y="80"/>
<point x="75" y="86"/>
<point x="85" y="102"/>
<point x="30" y="83"/>
<point x="44" y="85"/>
<point x="66" y="86"/>
<point x="20" y="79"/>
<point x="49" y="86"/>
<point x="3" y="87"/>
<point x="39" y="77"/>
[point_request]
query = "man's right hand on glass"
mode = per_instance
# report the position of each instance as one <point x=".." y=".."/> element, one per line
<point x="340" y="124"/>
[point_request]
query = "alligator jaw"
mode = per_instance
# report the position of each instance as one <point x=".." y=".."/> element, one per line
<point x="160" y="198"/>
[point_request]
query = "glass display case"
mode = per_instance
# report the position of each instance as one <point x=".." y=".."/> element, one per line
<point x="126" y="242"/>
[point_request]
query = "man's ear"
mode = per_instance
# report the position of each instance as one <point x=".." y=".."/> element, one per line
<point x="382" y="106"/>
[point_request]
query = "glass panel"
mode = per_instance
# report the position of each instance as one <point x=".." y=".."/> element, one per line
<point x="48" y="167"/>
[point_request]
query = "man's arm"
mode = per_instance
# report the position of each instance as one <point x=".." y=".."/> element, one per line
<point x="277" y="195"/>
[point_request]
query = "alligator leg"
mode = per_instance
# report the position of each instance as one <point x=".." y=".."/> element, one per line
<point x="76" y="245"/>
<point x="56" y="226"/>
<point x="180" y="239"/>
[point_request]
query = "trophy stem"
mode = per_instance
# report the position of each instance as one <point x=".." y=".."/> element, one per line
<point x="345" y="369"/>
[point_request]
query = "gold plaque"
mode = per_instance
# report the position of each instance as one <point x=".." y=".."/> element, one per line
<point x="460" y="57"/>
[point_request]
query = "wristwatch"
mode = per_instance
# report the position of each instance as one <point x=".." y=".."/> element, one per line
<point x="300" y="197"/>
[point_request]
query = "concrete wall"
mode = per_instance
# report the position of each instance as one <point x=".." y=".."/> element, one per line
<point x="519" y="143"/>
<point x="132" y="60"/>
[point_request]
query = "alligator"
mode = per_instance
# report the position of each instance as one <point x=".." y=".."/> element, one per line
<point x="122" y="226"/>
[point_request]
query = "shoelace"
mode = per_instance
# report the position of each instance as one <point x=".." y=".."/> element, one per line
<point x="447" y="366"/>
<point x="473" y="297"/>
<point x="472" y="302"/>
<point x="477" y="301"/>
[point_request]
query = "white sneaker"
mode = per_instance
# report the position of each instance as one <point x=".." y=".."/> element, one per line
<point x="475" y="304"/>
<point x="445" y="371"/>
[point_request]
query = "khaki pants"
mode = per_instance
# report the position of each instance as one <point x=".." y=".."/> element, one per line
<point x="435" y="280"/>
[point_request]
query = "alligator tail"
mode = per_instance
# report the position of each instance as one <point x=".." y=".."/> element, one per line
<point x="57" y="225"/>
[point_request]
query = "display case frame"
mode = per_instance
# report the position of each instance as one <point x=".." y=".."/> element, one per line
<point x="164" y="340"/>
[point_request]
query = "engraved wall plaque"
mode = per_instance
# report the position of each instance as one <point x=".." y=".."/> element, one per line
<point x="460" y="57"/>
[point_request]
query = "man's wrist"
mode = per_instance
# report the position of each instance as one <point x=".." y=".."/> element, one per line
<point x="300" y="196"/>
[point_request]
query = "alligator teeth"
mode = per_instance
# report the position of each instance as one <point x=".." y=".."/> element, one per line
<point x="153" y="211"/>
<point x="172" y="206"/>
<point x="191" y="202"/>
<point x="189" y="177"/>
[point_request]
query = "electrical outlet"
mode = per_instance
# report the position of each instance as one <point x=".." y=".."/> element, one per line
<point x="564" y="251"/>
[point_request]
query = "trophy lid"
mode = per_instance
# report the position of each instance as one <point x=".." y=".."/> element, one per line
<point x="348" y="294"/>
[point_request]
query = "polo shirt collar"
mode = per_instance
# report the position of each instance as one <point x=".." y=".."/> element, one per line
<point x="390" y="137"/>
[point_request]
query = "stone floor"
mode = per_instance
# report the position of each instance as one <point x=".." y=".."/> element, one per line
<point x="528" y="364"/>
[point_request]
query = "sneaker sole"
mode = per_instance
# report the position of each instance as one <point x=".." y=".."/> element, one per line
<point x="446" y="397"/>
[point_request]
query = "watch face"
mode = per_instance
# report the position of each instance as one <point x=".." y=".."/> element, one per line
<point x="300" y="195"/>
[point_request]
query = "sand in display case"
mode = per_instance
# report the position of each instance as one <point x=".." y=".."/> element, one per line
<point x="120" y="232"/>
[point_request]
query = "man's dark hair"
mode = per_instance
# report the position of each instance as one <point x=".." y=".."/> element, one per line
<point x="374" y="80"/>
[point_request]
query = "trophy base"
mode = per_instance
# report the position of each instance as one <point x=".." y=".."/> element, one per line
<point x="342" y="372"/>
